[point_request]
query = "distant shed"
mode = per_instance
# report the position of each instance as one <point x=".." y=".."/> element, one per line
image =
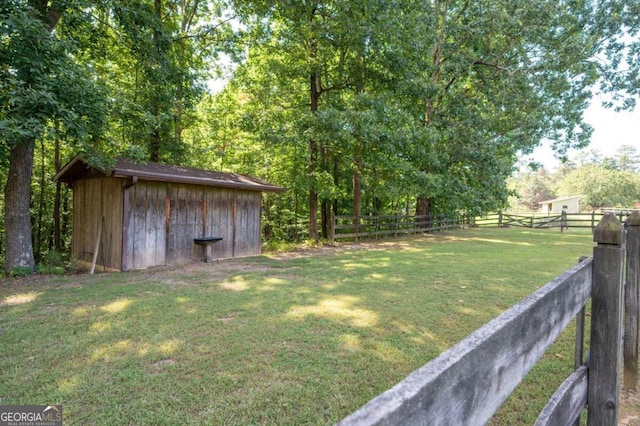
<point x="143" y="215"/>
<point x="557" y="205"/>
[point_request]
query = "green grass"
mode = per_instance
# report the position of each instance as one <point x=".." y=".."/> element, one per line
<point x="301" y="339"/>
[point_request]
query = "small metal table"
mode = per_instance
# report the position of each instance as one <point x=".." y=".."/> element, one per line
<point x="206" y="244"/>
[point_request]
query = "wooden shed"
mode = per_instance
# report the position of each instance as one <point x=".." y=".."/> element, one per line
<point x="139" y="215"/>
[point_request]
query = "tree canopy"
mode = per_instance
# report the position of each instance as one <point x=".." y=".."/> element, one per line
<point x="357" y="108"/>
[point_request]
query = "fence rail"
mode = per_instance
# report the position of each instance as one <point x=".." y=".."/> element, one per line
<point x="468" y="383"/>
<point x="571" y="220"/>
<point x="387" y="226"/>
<point x="352" y="227"/>
<point x="390" y="225"/>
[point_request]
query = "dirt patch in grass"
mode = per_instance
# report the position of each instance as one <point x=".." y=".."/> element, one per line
<point x="629" y="408"/>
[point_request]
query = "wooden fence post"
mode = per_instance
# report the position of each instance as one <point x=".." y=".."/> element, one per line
<point x="606" y="322"/>
<point x="332" y="225"/>
<point x="357" y="226"/>
<point x="578" y="359"/>
<point x="631" y="302"/>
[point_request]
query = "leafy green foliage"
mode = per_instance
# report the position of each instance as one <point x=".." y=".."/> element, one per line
<point x="365" y="107"/>
<point x="602" y="187"/>
<point x="41" y="81"/>
<point x="42" y="85"/>
<point x="532" y="187"/>
<point x="435" y="101"/>
<point x="167" y="44"/>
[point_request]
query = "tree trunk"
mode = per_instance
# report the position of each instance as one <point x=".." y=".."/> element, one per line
<point x="17" y="218"/>
<point x="315" y="92"/>
<point x="336" y="182"/>
<point x="155" y="138"/>
<point x="357" y="190"/>
<point x="325" y="214"/>
<point x="423" y="204"/>
<point x="268" y="229"/>
<point x="57" y="240"/>
<point x="17" y="190"/>
<point x="423" y="208"/>
<point x="154" y="143"/>
<point x="38" y="244"/>
<point x="327" y="204"/>
<point x="66" y="217"/>
<point x="313" y="192"/>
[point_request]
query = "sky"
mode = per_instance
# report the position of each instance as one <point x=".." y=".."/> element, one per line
<point x="611" y="130"/>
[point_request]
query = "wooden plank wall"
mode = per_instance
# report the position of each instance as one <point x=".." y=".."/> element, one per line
<point x="164" y="218"/>
<point x="247" y="230"/>
<point x="146" y="242"/>
<point x="96" y="201"/>
<point x="185" y="222"/>
<point x="219" y="209"/>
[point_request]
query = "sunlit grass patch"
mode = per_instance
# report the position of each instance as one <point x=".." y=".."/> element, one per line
<point x="19" y="299"/>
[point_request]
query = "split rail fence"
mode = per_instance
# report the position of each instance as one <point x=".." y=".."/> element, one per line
<point x="466" y="384"/>
<point x="387" y="226"/>
<point x="390" y="225"/>
<point x="564" y="220"/>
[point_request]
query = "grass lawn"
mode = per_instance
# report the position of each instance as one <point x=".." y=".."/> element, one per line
<point x="303" y="338"/>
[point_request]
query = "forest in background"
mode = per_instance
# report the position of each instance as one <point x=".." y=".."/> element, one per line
<point x="356" y="108"/>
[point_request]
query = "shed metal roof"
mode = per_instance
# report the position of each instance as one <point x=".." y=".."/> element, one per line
<point x="78" y="168"/>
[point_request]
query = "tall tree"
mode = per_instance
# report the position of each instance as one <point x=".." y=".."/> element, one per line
<point x="40" y="82"/>
<point x="322" y="62"/>
<point x="307" y="32"/>
<point x="169" y="45"/>
<point x="484" y="86"/>
<point x="533" y="186"/>
<point x="472" y="85"/>
<point x="628" y="158"/>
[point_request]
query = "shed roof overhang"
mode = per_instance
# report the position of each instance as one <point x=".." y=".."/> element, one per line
<point x="78" y="168"/>
<point x="555" y="200"/>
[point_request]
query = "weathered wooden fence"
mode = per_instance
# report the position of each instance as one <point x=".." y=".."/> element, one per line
<point x="533" y="220"/>
<point x="467" y="383"/>
<point x="386" y="226"/>
<point x="374" y="227"/>
<point x="390" y="225"/>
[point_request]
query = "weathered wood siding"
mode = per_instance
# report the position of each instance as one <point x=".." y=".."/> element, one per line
<point x="97" y="201"/>
<point x="185" y="221"/>
<point x="145" y="219"/>
<point x="247" y="229"/>
<point x="164" y="218"/>
<point x="219" y="213"/>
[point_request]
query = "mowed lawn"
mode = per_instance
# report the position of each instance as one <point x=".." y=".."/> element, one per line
<point x="302" y="338"/>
